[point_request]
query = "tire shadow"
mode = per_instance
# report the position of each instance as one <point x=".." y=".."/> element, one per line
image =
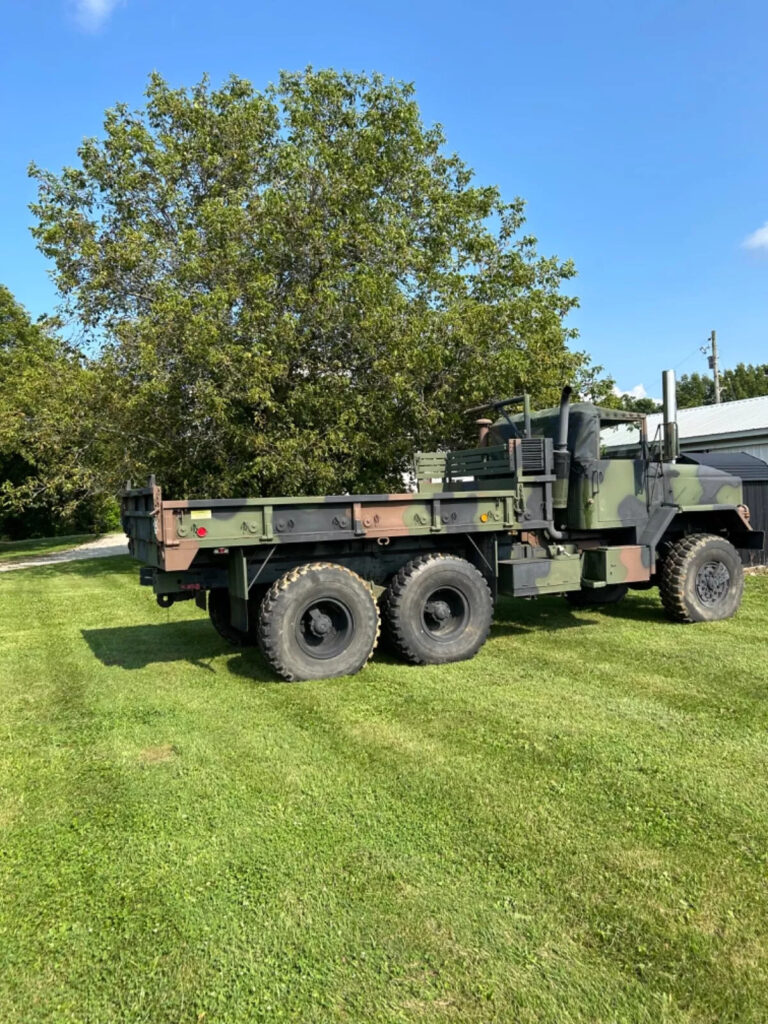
<point x="193" y="641"/>
<point x="518" y="616"/>
<point x="549" y="614"/>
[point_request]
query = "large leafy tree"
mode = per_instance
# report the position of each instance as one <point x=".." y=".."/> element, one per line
<point x="24" y="347"/>
<point x="49" y="454"/>
<point x="292" y="289"/>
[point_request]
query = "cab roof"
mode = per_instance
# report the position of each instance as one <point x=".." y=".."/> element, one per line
<point x="584" y="422"/>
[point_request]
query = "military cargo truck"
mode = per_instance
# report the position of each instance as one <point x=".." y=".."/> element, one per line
<point x="534" y="509"/>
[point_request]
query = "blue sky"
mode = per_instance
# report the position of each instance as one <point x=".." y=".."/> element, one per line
<point x="636" y="131"/>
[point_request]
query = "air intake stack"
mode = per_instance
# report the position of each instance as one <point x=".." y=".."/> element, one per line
<point x="669" y="399"/>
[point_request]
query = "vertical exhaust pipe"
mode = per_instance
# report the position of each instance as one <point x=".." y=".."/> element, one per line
<point x="671" y="447"/>
<point x="483" y="428"/>
<point x="562" y="454"/>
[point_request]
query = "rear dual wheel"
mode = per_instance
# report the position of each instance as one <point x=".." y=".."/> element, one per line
<point x="321" y="620"/>
<point x="437" y="609"/>
<point x="317" y="621"/>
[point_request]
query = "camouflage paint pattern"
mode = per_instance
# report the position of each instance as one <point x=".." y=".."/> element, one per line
<point x="627" y="563"/>
<point x="609" y="493"/>
<point x="183" y="528"/>
<point x="556" y="573"/>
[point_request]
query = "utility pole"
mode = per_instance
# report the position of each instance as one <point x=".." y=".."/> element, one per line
<point x="714" y="366"/>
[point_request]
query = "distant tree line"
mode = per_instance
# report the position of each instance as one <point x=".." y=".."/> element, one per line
<point x="277" y="291"/>
<point x="743" y="381"/>
<point x="695" y="389"/>
<point x="51" y="477"/>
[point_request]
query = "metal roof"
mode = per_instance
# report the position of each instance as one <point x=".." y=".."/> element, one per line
<point x="748" y="467"/>
<point x="748" y="416"/>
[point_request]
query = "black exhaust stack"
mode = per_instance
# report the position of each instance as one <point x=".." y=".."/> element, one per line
<point x="562" y="454"/>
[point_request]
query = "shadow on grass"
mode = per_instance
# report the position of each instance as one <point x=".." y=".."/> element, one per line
<point x="639" y="606"/>
<point x="554" y="613"/>
<point x="193" y="641"/>
<point x="542" y="615"/>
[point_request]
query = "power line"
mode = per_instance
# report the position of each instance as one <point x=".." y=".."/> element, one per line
<point x="685" y="360"/>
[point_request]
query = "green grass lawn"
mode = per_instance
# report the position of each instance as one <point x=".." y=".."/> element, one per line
<point x="573" y="827"/>
<point x="17" y="550"/>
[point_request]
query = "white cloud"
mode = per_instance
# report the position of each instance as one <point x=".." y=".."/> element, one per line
<point x="638" y="391"/>
<point x="758" y="239"/>
<point x="91" y="14"/>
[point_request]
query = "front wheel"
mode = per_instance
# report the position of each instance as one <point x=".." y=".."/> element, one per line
<point x="702" y="579"/>
<point x="318" y="620"/>
<point x="437" y="609"/>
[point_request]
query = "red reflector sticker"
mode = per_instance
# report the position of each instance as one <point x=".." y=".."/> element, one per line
<point x="201" y="531"/>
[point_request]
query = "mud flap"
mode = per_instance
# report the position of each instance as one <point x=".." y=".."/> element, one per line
<point x="238" y="589"/>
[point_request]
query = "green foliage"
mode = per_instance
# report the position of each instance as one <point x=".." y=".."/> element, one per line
<point x="569" y="829"/>
<point x="38" y="396"/>
<point x="51" y="398"/>
<point x="645" y="405"/>
<point x="743" y="381"/>
<point x="295" y="288"/>
<point x="630" y="403"/>
<point x="695" y="389"/>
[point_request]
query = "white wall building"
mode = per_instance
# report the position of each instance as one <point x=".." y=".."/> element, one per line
<point x="729" y="427"/>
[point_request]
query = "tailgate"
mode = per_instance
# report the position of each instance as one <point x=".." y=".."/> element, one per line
<point x="141" y="513"/>
<point x="151" y="529"/>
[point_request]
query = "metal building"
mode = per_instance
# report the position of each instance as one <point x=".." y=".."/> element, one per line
<point x="729" y="427"/>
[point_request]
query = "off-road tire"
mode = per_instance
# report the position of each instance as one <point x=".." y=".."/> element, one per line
<point x="590" y="597"/>
<point x="702" y="579"/>
<point x="318" y="621"/>
<point x="420" y="594"/>
<point x="218" y="612"/>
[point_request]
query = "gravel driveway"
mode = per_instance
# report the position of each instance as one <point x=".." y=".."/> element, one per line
<point x="104" y="547"/>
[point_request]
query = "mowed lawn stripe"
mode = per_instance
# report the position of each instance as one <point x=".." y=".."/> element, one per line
<point x="571" y="827"/>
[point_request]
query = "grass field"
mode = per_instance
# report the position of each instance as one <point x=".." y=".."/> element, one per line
<point x="16" y="550"/>
<point x="571" y="828"/>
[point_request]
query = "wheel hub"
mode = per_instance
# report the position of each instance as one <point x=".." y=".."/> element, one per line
<point x="325" y="628"/>
<point x="439" y="610"/>
<point x="712" y="582"/>
<point x="445" y="614"/>
<point x="319" y="624"/>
